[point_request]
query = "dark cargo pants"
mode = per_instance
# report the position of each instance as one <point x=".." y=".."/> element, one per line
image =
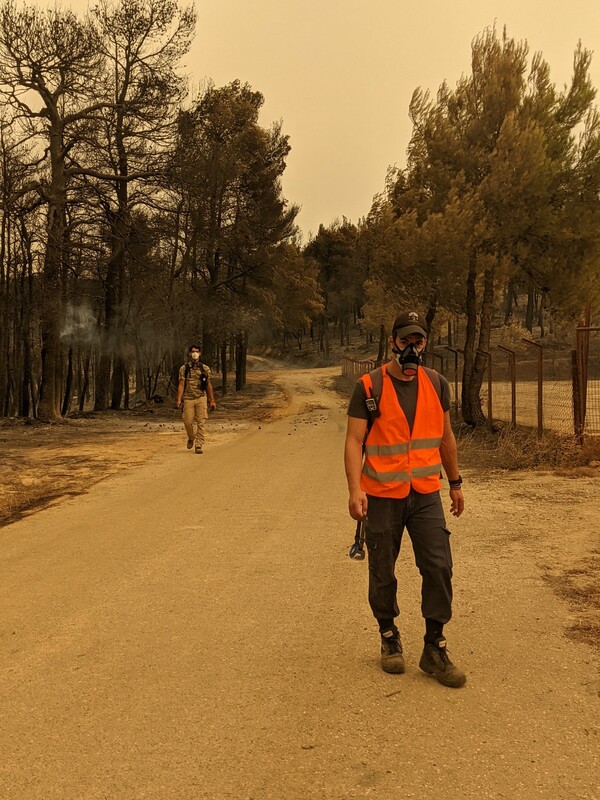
<point x="422" y="515"/>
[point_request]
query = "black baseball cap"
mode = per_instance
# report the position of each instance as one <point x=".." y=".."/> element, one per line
<point x="409" y="322"/>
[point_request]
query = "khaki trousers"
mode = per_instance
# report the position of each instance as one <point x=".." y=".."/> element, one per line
<point x="195" y="411"/>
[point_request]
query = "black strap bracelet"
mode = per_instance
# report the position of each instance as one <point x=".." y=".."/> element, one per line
<point x="457" y="483"/>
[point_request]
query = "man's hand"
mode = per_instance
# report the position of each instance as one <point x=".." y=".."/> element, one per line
<point x="357" y="505"/>
<point x="212" y="405"/>
<point x="179" y="404"/>
<point x="457" y="502"/>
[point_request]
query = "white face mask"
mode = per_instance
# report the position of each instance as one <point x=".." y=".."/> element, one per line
<point x="195" y="356"/>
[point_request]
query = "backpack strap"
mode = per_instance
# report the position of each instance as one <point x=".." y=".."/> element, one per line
<point x="203" y="373"/>
<point x="372" y="400"/>
<point x="434" y="377"/>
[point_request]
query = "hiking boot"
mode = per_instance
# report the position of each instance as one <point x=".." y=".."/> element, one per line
<point x="198" y="449"/>
<point x="435" y="661"/>
<point x="392" y="659"/>
<point x="190" y="444"/>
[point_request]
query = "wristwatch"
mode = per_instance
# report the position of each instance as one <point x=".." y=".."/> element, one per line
<point x="456" y="484"/>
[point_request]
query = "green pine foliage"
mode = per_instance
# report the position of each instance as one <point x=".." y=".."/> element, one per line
<point x="499" y="200"/>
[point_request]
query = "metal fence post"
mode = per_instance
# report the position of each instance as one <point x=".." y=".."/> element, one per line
<point x="490" y="383"/>
<point x="577" y="422"/>
<point x="513" y="384"/>
<point x="433" y="357"/>
<point x="456" y="351"/>
<point x="582" y="344"/>
<point x="540" y="371"/>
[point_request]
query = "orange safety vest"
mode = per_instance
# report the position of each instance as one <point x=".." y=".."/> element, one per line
<point x="394" y="458"/>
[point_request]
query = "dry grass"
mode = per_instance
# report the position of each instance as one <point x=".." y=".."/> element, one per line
<point x="520" y="448"/>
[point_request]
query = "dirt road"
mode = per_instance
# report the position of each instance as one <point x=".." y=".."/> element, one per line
<point x="194" y="628"/>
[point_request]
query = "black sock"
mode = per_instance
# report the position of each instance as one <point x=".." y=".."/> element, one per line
<point x="433" y="630"/>
<point x="387" y="625"/>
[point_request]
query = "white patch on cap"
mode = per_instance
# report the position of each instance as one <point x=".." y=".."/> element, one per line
<point x="413" y="316"/>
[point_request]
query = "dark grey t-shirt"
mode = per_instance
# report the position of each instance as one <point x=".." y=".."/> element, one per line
<point x="386" y="512"/>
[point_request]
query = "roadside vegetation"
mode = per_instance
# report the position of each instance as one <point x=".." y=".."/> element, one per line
<point x="522" y="449"/>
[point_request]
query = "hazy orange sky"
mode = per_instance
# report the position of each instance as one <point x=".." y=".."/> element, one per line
<point x="340" y="74"/>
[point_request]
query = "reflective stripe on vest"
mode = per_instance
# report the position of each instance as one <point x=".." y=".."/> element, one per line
<point x="393" y="449"/>
<point x="395" y="459"/>
<point x="417" y="472"/>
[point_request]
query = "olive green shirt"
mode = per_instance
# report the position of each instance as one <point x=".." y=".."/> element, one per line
<point x="192" y="389"/>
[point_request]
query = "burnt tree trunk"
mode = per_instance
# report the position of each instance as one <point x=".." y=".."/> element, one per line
<point x="224" y="372"/>
<point x="56" y="195"/>
<point x="381" y="346"/>
<point x="66" y="405"/>
<point x="475" y="362"/>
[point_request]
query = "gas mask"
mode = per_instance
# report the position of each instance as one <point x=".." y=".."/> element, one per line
<point x="409" y="359"/>
<point x="195" y="356"/>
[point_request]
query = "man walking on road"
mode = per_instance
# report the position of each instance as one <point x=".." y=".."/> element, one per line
<point x="194" y="387"/>
<point x="398" y="437"/>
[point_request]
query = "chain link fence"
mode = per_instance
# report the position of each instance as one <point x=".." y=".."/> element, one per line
<point x="546" y="389"/>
